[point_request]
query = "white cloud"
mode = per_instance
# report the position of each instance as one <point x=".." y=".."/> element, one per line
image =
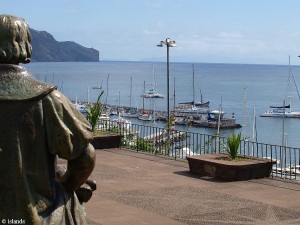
<point x="231" y="34"/>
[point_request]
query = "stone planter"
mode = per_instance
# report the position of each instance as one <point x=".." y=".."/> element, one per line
<point x="106" y="141"/>
<point x="216" y="165"/>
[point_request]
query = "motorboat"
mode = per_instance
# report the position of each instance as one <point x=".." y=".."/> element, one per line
<point x="145" y="117"/>
<point x="122" y="122"/>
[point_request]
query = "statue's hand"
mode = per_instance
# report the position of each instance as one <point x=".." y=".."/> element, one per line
<point x="85" y="192"/>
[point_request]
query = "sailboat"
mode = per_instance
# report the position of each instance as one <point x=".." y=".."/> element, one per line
<point x="152" y="93"/>
<point x="81" y="107"/>
<point x="146" y="115"/>
<point x="131" y="112"/>
<point x="97" y="87"/>
<point x="284" y="110"/>
<point x="202" y="103"/>
<point x="193" y="107"/>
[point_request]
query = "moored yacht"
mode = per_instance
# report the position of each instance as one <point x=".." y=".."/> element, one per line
<point x="281" y="111"/>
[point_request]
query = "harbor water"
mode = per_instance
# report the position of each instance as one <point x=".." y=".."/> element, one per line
<point x="243" y="89"/>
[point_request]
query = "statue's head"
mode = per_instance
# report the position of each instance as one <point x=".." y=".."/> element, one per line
<point x="15" y="40"/>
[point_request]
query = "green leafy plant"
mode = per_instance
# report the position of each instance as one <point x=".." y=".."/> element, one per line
<point x="93" y="112"/>
<point x="143" y="145"/>
<point x="233" y="144"/>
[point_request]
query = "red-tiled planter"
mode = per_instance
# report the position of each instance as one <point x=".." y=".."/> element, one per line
<point x="214" y="165"/>
<point x="106" y="141"/>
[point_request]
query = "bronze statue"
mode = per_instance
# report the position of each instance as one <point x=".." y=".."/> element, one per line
<point x="37" y="124"/>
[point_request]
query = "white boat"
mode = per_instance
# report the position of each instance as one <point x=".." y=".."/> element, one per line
<point x="145" y="117"/>
<point x="281" y="111"/>
<point x="152" y="93"/>
<point x="122" y="122"/>
<point x="104" y="116"/>
<point x="81" y="108"/>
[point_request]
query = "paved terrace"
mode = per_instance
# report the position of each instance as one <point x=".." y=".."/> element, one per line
<point x="137" y="188"/>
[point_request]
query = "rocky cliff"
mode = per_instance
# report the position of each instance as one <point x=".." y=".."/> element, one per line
<point x="46" y="49"/>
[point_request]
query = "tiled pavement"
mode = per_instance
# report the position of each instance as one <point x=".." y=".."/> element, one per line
<point x="137" y="188"/>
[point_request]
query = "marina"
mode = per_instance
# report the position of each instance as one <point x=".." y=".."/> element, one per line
<point x="220" y="84"/>
<point x="197" y="129"/>
<point x="207" y="119"/>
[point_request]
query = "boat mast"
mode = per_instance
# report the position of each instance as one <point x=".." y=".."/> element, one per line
<point x="193" y="85"/>
<point x="254" y="135"/>
<point x="282" y="160"/>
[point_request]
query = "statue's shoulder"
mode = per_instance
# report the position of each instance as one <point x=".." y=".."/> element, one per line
<point x="17" y="84"/>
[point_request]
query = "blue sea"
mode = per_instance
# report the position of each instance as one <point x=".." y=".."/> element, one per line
<point x="243" y="89"/>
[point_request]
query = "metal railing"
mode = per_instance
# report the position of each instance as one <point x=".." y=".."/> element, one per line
<point x="184" y="143"/>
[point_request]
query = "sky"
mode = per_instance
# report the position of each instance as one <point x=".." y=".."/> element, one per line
<point x="213" y="31"/>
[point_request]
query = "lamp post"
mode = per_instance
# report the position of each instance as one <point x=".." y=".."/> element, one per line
<point x="169" y="43"/>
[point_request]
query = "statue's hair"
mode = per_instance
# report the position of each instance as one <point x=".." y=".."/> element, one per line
<point x="15" y="40"/>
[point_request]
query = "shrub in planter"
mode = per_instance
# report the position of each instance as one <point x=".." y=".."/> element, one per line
<point x="93" y="112"/>
<point x="233" y="144"/>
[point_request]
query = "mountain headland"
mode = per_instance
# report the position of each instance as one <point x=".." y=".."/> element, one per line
<point x="46" y="49"/>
